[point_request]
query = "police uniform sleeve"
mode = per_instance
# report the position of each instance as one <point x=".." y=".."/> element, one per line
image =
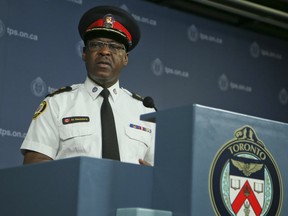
<point x="43" y="135"/>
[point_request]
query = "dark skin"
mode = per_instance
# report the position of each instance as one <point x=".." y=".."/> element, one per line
<point x="104" y="68"/>
<point x="35" y="157"/>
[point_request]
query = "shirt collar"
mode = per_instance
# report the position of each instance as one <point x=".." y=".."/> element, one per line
<point x="94" y="89"/>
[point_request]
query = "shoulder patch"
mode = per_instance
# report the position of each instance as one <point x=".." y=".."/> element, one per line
<point x="58" y="91"/>
<point x="42" y="107"/>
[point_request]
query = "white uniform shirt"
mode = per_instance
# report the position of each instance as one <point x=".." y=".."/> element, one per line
<point x="68" y="124"/>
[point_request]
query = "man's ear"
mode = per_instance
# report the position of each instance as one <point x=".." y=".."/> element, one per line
<point x="84" y="54"/>
<point x="126" y="58"/>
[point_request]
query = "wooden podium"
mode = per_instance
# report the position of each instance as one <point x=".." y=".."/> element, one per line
<point x="194" y="172"/>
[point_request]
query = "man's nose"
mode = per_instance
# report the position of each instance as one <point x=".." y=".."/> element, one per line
<point x="105" y="49"/>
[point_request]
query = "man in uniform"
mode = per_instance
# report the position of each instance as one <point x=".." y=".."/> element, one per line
<point x="70" y="122"/>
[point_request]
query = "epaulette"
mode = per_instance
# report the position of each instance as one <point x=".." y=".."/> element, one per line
<point x="58" y="91"/>
<point x="134" y="95"/>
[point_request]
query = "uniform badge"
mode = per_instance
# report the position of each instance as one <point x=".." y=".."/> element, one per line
<point x="244" y="178"/>
<point x="95" y="89"/>
<point x="108" y="21"/>
<point x="139" y="127"/>
<point x="40" y="109"/>
<point x="115" y="91"/>
<point x="75" y="119"/>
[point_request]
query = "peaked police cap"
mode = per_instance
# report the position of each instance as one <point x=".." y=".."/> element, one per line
<point x="111" y="22"/>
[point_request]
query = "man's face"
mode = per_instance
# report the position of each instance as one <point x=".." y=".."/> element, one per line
<point x="104" y="62"/>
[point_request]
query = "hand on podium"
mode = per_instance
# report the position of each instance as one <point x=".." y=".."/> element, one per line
<point x="143" y="162"/>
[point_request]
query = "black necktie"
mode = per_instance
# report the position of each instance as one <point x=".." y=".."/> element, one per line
<point x="109" y="137"/>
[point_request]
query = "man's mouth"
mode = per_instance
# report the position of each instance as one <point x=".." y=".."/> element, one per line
<point x="103" y="64"/>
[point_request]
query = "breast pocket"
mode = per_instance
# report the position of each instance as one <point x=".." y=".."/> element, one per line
<point x="78" y="130"/>
<point x="77" y="140"/>
<point x="138" y="135"/>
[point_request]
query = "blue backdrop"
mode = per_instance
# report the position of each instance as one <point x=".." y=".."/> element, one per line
<point x="182" y="59"/>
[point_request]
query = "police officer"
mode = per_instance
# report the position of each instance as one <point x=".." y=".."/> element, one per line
<point x="68" y="122"/>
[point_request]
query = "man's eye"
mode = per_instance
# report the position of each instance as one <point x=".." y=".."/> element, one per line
<point x="115" y="46"/>
<point x="95" y="45"/>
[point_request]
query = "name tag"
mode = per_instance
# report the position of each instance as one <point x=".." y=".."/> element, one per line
<point x="75" y="119"/>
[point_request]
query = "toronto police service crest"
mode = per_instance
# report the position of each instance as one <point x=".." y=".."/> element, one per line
<point x="244" y="178"/>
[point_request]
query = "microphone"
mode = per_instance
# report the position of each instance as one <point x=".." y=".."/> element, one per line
<point x="148" y="102"/>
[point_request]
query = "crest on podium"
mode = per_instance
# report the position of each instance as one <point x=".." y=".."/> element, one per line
<point x="244" y="178"/>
